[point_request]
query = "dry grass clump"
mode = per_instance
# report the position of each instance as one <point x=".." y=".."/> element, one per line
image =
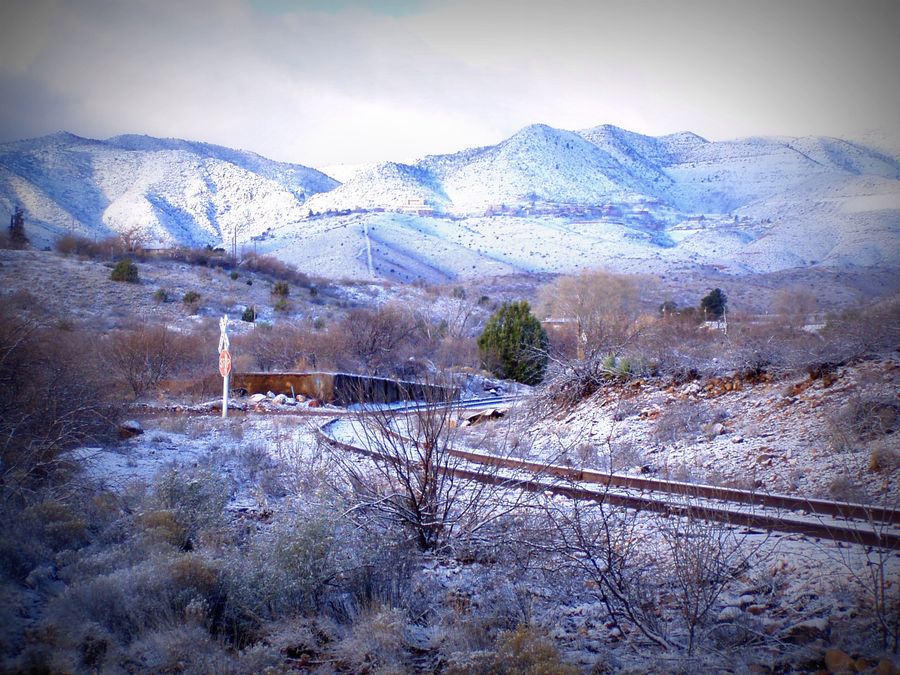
<point x="683" y="419"/>
<point x="862" y="418"/>
<point x="525" y="650"/>
<point x="884" y="456"/>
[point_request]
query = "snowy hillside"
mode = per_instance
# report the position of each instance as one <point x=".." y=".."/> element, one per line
<point x="543" y="200"/>
<point x="175" y="192"/>
<point x="389" y="185"/>
<point x="538" y="163"/>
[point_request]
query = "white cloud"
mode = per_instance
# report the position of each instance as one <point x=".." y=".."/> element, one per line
<point x="368" y="83"/>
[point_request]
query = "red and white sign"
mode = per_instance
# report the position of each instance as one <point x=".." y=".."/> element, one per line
<point x="224" y="363"/>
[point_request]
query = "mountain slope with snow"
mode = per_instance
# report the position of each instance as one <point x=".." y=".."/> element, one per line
<point x="173" y="191"/>
<point x="543" y="200"/>
<point x="539" y="163"/>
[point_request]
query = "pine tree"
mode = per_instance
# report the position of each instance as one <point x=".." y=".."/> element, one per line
<point x="17" y="236"/>
<point x="514" y="345"/>
<point x="714" y="303"/>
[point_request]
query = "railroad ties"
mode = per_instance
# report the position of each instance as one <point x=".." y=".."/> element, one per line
<point x="838" y="521"/>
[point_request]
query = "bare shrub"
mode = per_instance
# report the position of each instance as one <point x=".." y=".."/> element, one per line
<point x="288" y="347"/>
<point x="678" y="347"/>
<point x="864" y="331"/>
<point x="411" y="481"/>
<point x="703" y="559"/>
<point x="457" y="352"/>
<point x="871" y="574"/>
<point x="869" y="417"/>
<point x="602" y="545"/>
<point x="275" y="268"/>
<point x="861" y="418"/>
<point x="571" y="381"/>
<point x="53" y="396"/>
<point x="374" y="339"/>
<point x="843" y="488"/>
<point x="109" y="248"/>
<point x="624" y="455"/>
<point x="146" y="355"/>
<point x="71" y="244"/>
<point x="758" y="345"/>
<point x="679" y="420"/>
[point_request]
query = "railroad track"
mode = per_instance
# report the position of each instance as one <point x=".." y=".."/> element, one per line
<point x="838" y="521"/>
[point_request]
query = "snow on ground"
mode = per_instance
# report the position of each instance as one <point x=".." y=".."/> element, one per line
<point x="803" y="594"/>
<point x="246" y="449"/>
<point x="789" y="436"/>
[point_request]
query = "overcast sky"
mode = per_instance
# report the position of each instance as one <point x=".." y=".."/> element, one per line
<point x="344" y="81"/>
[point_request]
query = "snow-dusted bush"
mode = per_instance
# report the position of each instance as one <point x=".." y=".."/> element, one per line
<point x="375" y="641"/>
<point x="523" y="650"/>
<point x="196" y="499"/>
<point x="125" y="270"/>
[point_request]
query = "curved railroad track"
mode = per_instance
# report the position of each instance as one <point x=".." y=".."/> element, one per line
<point x="838" y="521"/>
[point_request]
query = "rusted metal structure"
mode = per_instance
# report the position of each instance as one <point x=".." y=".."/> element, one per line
<point x="341" y="388"/>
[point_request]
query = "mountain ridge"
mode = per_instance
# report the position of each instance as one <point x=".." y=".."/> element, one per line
<point x="748" y="204"/>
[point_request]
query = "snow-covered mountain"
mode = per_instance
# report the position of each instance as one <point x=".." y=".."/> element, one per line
<point x="544" y="199"/>
<point x="610" y="167"/>
<point x="174" y="191"/>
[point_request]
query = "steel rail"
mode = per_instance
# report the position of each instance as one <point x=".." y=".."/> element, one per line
<point x="833" y="509"/>
<point x="865" y="532"/>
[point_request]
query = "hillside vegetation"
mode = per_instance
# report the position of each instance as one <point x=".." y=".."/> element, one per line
<point x="143" y="532"/>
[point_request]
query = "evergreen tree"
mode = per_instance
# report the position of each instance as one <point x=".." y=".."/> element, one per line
<point x="514" y="344"/>
<point x="17" y="236"/>
<point x="714" y="303"/>
<point x="125" y="270"/>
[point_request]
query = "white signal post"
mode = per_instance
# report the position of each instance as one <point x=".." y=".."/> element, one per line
<point x="224" y="362"/>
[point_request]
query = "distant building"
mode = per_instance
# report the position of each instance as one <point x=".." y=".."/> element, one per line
<point x="417" y="206"/>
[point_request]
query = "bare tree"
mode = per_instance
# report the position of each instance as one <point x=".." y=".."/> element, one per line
<point x="375" y="337"/>
<point x="703" y="558"/>
<point x="795" y="306"/>
<point x="604" y="544"/>
<point x="415" y="478"/>
<point x="133" y="239"/>
<point x="603" y="308"/>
